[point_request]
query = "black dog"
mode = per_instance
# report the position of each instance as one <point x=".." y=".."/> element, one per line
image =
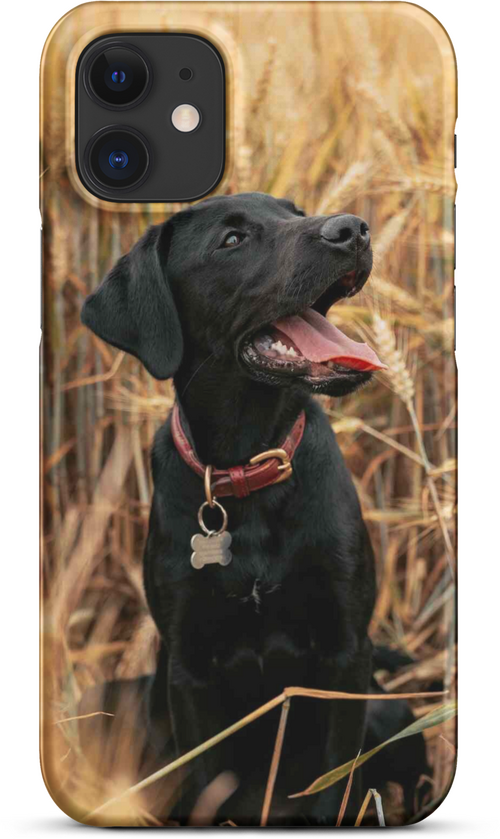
<point x="228" y="297"/>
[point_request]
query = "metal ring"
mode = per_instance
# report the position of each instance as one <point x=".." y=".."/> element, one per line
<point x="208" y="486"/>
<point x="202" y="523"/>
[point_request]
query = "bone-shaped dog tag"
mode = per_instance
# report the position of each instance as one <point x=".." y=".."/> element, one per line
<point x="211" y="548"/>
<point x="214" y="546"/>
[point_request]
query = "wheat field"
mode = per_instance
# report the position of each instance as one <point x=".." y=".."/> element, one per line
<point x="340" y="107"/>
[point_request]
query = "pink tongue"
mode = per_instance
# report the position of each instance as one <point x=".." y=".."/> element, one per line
<point x="318" y="340"/>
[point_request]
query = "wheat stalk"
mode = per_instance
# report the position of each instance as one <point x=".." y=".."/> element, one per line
<point x="403" y="385"/>
<point x="387" y="119"/>
<point x="417" y="184"/>
<point x="340" y="193"/>
<point x="264" y="81"/>
<point x="244" y="168"/>
<point x="391" y="230"/>
<point x="394" y="293"/>
<point x="397" y="372"/>
<point x="383" y="149"/>
<point x="390" y="123"/>
<point x="369" y="65"/>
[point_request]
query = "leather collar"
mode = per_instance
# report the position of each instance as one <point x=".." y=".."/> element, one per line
<point x="263" y="470"/>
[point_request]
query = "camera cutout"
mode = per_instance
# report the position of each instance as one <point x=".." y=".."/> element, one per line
<point x="117" y="158"/>
<point x="137" y="139"/>
<point x="117" y="76"/>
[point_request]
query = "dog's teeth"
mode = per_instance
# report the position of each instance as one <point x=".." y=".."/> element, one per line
<point x="279" y="347"/>
<point x="331" y="365"/>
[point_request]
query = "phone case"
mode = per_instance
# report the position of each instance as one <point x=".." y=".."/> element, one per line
<point x="158" y="706"/>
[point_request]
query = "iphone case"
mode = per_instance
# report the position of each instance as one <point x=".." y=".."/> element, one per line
<point x="339" y="108"/>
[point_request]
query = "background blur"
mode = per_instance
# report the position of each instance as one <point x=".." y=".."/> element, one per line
<point x="339" y="107"/>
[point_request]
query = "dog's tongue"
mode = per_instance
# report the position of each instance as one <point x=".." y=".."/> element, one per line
<point x="319" y="340"/>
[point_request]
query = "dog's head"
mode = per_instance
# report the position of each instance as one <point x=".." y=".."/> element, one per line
<point x="247" y="280"/>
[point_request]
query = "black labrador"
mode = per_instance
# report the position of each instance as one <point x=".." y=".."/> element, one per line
<point x="229" y="298"/>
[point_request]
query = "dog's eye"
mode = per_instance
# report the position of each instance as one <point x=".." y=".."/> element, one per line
<point x="232" y="240"/>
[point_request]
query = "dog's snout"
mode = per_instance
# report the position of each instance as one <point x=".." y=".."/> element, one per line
<point x="346" y="232"/>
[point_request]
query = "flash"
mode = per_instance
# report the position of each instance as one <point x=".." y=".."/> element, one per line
<point x="186" y="118"/>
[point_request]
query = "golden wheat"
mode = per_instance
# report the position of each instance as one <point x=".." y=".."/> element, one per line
<point x="391" y="231"/>
<point x="339" y="193"/>
<point x="386" y="117"/>
<point x="397" y="372"/>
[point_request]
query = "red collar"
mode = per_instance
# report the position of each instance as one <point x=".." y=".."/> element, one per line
<point x="263" y="470"/>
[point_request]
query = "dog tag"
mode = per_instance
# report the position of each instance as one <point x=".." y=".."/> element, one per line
<point x="213" y="547"/>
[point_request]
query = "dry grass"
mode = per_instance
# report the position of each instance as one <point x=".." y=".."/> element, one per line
<point x="367" y="143"/>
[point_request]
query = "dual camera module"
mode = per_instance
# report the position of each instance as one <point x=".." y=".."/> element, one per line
<point x="152" y="92"/>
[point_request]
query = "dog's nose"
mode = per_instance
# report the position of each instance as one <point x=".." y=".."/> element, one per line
<point x="346" y="232"/>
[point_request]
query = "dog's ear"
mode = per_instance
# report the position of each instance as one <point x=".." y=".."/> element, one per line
<point x="133" y="308"/>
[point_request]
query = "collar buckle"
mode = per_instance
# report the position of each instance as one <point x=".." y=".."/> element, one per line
<point x="285" y="467"/>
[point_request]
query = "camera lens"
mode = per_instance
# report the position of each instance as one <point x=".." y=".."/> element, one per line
<point x="118" y="76"/>
<point x="117" y="158"/>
